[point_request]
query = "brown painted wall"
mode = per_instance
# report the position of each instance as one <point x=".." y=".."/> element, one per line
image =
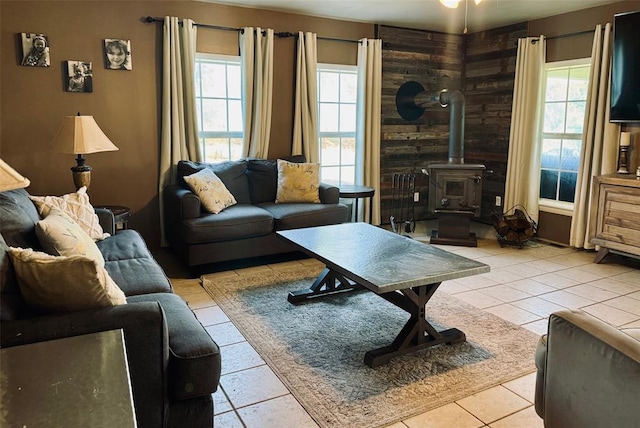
<point x="126" y="104"/>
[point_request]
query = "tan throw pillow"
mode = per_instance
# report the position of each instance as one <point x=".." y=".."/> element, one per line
<point x="61" y="236"/>
<point x="63" y="284"/>
<point x="298" y="182"/>
<point x="77" y="206"/>
<point x="212" y="192"/>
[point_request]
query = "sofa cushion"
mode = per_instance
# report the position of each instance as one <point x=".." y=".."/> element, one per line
<point x="263" y="177"/>
<point x="60" y="235"/>
<point x="63" y="284"/>
<point x="77" y="206"/>
<point x="12" y="304"/>
<point x="212" y="192"/>
<point x="131" y="265"/>
<point x="232" y="174"/>
<point x="236" y="222"/>
<point x="298" y="182"/>
<point x="295" y="216"/>
<point x="194" y="358"/>
<point x="18" y="218"/>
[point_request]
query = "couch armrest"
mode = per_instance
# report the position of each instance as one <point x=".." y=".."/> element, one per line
<point x="107" y="220"/>
<point x="180" y="203"/>
<point x="146" y="341"/>
<point x="591" y="373"/>
<point x="329" y="194"/>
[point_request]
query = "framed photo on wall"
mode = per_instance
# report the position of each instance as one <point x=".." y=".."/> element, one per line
<point x="35" y="50"/>
<point x="117" y="54"/>
<point x="79" y="76"/>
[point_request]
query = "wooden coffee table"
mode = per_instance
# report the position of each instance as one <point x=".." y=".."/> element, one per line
<point x="399" y="269"/>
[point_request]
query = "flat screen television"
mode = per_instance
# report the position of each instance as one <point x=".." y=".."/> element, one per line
<point x="625" y="68"/>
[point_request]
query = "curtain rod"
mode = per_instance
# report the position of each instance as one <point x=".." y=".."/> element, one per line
<point x="562" y="36"/>
<point x="282" y="34"/>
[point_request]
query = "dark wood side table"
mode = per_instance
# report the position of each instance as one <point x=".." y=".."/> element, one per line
<point x="356" y="192"/>
<point x="121" y="214"/>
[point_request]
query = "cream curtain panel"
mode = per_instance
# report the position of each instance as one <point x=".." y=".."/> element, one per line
<point x="179" y="134"/>
<point x="256" y="58"/>
<point x="600" y="140"/>
<point x="305" y="119"/>
<point x="368" y="120"/>
<point x="523" y="165"/>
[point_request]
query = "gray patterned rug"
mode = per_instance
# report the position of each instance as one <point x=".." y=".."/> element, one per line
<point x="317" y="349"/>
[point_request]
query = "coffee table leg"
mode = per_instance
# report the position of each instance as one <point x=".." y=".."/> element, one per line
<point x="328" y="282"/>
<point x="417" y="333"/>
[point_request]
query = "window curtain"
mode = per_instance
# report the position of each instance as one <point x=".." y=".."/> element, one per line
<point x="305" y="120"/>
<point x="179" y="134"/>
<point x="256" y="58"/>
<point x="368" y="120"/>
<point x="600" y="139"/>
<point x="523" y="165"/>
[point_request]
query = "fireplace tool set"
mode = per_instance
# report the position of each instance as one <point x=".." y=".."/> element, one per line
<point x="403" y="187"/>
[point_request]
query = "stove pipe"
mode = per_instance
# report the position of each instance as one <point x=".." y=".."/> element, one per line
<point x="456" y="124"/>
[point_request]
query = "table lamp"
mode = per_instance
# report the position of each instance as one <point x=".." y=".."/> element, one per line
<point x="80" y="135"/>
<point x="10" y="179"/>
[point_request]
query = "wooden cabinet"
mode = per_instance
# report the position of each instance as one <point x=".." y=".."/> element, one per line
<point x="616" y="210"/>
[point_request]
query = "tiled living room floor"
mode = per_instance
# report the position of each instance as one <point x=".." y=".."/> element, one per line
<point x="523" y="287"/>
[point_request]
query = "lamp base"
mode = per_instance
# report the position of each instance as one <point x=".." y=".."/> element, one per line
<point x="81" y="176"/>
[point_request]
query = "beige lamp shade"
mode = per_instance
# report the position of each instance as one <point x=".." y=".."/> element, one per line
<point x="10" y="178"/>
<point x="81" y="135"/>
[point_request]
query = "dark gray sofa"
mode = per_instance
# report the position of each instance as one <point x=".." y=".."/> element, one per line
<point x="248" y="228"/>
<point x="174" y="364"/>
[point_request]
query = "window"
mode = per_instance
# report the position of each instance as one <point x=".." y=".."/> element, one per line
<point x="564" y="112"/>
<point x="337" y="93"/>
<point x="219" y="106"/>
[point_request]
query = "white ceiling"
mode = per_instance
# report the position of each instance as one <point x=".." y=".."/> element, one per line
<point x="425" y="14"/>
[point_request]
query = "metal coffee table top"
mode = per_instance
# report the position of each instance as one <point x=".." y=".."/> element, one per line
<point x="379" y="259"/>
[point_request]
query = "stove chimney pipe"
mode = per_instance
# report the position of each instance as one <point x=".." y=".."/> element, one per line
<point x="456" y="124"/>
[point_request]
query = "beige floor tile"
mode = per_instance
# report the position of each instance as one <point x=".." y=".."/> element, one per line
<point x="447" y="416"/>
<point x="527" y="418"/>
<point x="610" y="314"/>
<point x="493" y="404"/>
<point x="453" y="287"/>
<point x="525" y="270"/>
<point x="285" y="266"/>
<point x="591" y="292"/>
<point x="573" y="259"/>
<point x="199" y="300"/>
<point x="501" y="276"/>
<point x="545" y="265"/>
<point x="211" y="315"/>
<point x="225" y="333"/>
<point x="531" y="286"/>
<point x="227" y="420"/>
<point x="524" y="386"/>
<point x="281" y="412"/>
<point x="252" y="386"/>
<point x="625" y="303"/>
<point x="239" y="356"/>
<point x="615" y="285"/>
<point x="538" y="306"/>
<point x="254" y="270"/>
<point x="635" y="295"/>
<point x="478" y="299"/>
<point x="500" y="261"/>
<point x="633" y="324"/>
<point x="566" y="299"/>
<point x="473" y="253"/>
<point x="475" y="282"/>
<point x="221" y="275"/>
<point x="631" y="277"/>
<point x="538" y="327"/>
<point x="605" y="270"/>
<point x="505" y="293"/>
<point x="556" y="281"/>
<point x="396" y="425"/>
<point x="220" y="402"/>
<point x="579" y="274"/>
<point x="513" y="314"/>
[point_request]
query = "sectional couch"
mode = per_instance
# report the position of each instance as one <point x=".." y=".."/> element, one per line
<point x="174" y="364"/>
<point x="247" y="229"/>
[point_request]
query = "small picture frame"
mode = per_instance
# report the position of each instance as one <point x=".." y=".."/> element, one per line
<point x="79" y="76"/>
<point x="35" y="50"/>
<point x="117" y="54"/>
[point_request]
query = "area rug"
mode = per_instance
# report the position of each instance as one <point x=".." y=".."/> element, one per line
<point x="317" y="348"/>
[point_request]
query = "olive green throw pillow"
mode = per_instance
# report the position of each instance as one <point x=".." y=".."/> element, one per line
<point x="298" y="182"/>
<point x="63" y="284"/>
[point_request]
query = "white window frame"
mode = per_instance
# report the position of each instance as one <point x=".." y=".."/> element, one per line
<point x="202" y="135"/>
<point x="550" y="205"/>
<point x="337" y="68"/>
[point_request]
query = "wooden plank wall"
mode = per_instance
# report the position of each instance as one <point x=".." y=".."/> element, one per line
<point x="485" y="62"/>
